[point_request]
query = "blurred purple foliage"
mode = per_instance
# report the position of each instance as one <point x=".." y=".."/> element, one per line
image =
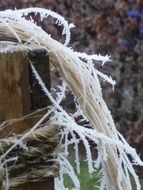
<point x="134" y="13"/>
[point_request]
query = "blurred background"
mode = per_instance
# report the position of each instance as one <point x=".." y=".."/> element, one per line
<point x="113" y="27"/>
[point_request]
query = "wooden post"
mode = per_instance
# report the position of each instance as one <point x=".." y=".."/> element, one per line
<point x="20" y="93"/>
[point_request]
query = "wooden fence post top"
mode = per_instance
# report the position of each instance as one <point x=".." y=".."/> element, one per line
<point x="21" y="95"/>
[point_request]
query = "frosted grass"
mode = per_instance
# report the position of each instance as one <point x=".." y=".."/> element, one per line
<point x="82" y="78"/>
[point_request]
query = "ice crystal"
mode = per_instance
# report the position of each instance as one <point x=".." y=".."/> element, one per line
<point x="80" y="75"/>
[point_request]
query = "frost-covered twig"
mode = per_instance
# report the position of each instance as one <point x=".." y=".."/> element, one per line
<point x="81" y="77"/>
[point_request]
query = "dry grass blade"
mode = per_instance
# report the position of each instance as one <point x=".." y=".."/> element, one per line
<point x="36" y="162"/>
<point x="81" y="81"/>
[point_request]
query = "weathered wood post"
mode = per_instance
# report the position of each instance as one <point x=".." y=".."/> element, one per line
<point x="20" y="94"/>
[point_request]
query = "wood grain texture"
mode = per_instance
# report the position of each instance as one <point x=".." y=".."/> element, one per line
<point x="14" y="91"/>
<point x="19" y="91"/>
<point x="19" y="97"/>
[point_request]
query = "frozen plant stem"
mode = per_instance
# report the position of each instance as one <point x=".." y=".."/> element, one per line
<point x="82" y="78"/>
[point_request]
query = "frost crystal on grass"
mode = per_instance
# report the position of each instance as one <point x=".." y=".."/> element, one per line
<point x="81" y="77"/>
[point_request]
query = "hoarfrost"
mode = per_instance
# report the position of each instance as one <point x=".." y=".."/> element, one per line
<point x="81" y="76"/>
